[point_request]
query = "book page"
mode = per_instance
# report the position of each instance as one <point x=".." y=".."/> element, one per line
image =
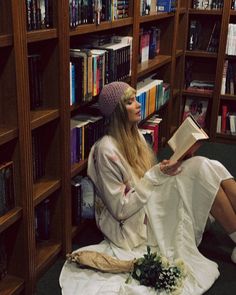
<point x="185" y="137"/>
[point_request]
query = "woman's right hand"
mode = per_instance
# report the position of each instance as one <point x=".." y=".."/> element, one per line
<point x="170" y="168"/>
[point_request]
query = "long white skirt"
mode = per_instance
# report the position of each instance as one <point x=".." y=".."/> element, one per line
<point x="177" y="211"/>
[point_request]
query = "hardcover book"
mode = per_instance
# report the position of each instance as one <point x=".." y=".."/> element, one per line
<point x="187" y="139"/>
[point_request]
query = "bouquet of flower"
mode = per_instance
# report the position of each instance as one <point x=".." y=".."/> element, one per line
<point x="155" y="270"/>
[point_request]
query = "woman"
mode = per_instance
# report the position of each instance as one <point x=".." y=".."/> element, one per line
<point x="165" y="205"/>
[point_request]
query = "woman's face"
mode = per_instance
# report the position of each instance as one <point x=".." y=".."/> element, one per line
<point x="133" y="108"/>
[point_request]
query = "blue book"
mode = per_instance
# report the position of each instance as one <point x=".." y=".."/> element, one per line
<point x="166" y="5"/>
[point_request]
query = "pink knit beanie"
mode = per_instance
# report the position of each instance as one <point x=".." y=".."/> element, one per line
<point x="110" y="95"/>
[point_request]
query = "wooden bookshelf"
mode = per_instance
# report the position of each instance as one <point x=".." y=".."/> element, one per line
<point x="51" y="121"/>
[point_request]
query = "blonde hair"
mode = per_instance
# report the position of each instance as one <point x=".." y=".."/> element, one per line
<point x="131" y="145"/>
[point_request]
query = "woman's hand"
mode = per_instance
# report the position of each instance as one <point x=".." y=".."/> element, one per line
<point x="170" y="168"/>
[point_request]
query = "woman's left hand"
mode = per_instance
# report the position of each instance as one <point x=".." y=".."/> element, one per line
<point x="170" y="168"/>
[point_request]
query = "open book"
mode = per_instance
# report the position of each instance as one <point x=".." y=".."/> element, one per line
<point x="187" y="139"/>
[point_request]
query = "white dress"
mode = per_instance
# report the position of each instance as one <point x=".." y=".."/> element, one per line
<point x="176" y="207"/>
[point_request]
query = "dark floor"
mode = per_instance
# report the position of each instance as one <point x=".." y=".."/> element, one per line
<point x="215" y="244"/>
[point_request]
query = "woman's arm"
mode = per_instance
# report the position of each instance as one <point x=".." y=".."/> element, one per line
<point x="114" y="184"/>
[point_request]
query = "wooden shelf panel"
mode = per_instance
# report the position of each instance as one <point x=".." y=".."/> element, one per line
<point x="179" y="52"/>
<point x="182" y="10"/>
<point x="152" y="64"/>
<point x="10" y="218"/>
<point x="40" y="117"/>
<point x="92" y="28"/>
<point x="47" y="252"/>
<point x="228" y="97"/>
<point x="11" y="285"/>
<point x="78" y="167"/>
<point x="201" y="53"/>
<point x="41" y="35"/>
<point x="44" y="188"/>
<point x="225" y="138"/>
<point x="7" y="134"/>
<point x="232" y="12"/>
<point x="195" y="93"/>
<point x="206" y="12"/>
<point x="6" y="40"/>
<point x="156" y="16"/>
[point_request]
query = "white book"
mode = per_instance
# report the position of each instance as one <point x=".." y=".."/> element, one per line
<point x="186" y="139"/>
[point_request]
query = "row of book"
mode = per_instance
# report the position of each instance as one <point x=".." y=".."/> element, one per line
<point x="152" y="6"/>
<point x="3" y="257"/>
<point x="39" y="14"/>
<point x="208" y="4"/>
<point x="233" y="5"/>
<point x="97" y="63"/>
<point x="35" y="81"/>
<point x="43" y="221"/>
<point x="7" y="193"/>
<point x="229" y="78"/>
<point x="38" y="156"/>
<point x="82" y="199"/>
<point x="152" y="93"/>
<point x="85" y="131"/>
<point x="150" y="131"/>
<point x="149" y="43"/>
<point x="226" y="121"/>
<point x="230" y="44"/>
<point x="96" y="11"/>
<point x="201" y="38"/>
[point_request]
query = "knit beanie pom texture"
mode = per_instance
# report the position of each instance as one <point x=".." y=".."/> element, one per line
<point x="110" y="95"/>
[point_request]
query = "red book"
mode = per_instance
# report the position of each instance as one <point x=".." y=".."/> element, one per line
<point x="224" y="118"/>
<point x="155" y="128"/>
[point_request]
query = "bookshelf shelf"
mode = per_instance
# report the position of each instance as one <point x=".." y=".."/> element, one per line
<point x="44" y="188"/>
<point x="7" y="134"/>
<point x="11" y="285"/>
<point x="179" y="53"/>
<point x="153" y="64"/>
<point x="47" y="252"/>
<point x="42" y="117"/>
<point x="206" y="12"/>
<point x="10" y="218"/>
<point x="107" y="25"/>
<point x="228" y="97"/>
<point x="197" y="93"/>
<point x="155" y="17"/>
<point x="232" y="12"/>
<point x="41" y="35"/>
<point x="201" y="53"/>
<point x="78" y="167"/>
<point x="182" y="10"/>
<point x="5" y="40"/>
